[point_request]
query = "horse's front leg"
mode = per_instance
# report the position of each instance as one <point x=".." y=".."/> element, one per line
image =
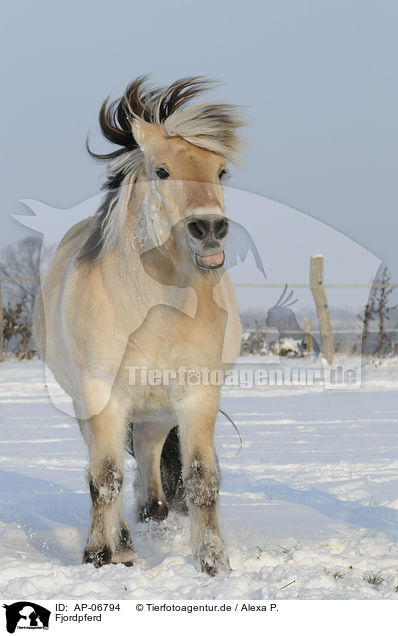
<point x="109" y="540"/>
<point x="197" y="413"/>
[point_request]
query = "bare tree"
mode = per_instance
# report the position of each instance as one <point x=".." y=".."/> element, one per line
<point x="369" y="314"/>
<point x="22" y="259"/>
<point x="17" y="331"/>
<point x="383" y="310"/>
<point x="19" y="260"/>
<point x="378" y="309"/>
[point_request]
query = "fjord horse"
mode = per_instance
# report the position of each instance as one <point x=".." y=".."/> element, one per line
<point x="141" y="286"/>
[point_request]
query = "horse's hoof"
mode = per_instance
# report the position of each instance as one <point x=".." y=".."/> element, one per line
<point x="127" y="557"/>
<point x="97" y="556"/>
<point x="156" y="510"/>
<point x="214" y="567"/>
<point x="210" y="570"/>
<point x="213" y="558"/>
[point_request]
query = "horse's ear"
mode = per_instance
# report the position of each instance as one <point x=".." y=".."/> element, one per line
<point x="147" y="135"/>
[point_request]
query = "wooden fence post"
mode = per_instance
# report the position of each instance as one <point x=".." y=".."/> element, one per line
<point x="308" y="335"/>
<point x="319" y="294"/>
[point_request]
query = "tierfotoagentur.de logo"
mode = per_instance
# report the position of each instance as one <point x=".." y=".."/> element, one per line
<point x="26" y="615"/>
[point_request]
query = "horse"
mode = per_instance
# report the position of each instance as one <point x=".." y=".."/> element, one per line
<point x="141" y="285"/>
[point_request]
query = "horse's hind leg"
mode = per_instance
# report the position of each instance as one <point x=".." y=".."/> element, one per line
<point x="109" y="540"/>
<point x="148" y="440"/>
<point x="197" y="415"/>
<point x="171" y="472"/>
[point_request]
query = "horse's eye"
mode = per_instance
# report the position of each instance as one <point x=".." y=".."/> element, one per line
<point x="222" y="173"/>
<point x="162" y="173"/>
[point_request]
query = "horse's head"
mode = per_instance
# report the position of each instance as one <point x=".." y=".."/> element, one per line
<point x="168" y="173"/>
<point x="181" y="185"/>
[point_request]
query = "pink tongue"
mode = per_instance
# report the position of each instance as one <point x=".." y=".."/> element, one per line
<point x="214" y="259"/>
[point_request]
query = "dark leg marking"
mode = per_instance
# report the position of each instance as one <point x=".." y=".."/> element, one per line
<point x="125" y="544"/>
<point x="106" y="489"/>
<point x="201" y="484"/>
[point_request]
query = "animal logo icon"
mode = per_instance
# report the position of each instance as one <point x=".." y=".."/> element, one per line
<point x="26" y="615"/>
<point x="281" y="317"/>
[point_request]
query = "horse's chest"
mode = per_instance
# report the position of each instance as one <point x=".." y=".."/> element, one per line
<point x="168" y="334"/>
<point x="171" y="347"/>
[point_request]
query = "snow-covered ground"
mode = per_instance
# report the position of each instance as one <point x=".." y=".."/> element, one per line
<point x="309" y="507"/>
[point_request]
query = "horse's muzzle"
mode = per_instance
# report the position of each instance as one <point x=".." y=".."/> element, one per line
<point x="211" y="261"/>
<point x="206" y="237"/>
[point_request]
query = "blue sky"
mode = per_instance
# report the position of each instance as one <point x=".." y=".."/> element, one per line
<point x="318" y="80"/>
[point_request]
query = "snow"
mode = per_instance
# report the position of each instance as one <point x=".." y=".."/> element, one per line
<point x="308" y="507"/>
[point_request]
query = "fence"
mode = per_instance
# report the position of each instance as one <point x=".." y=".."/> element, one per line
<point x="344" y="339"/>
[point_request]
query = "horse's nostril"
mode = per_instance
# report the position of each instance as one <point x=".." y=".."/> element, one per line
<point x="198" y="228"/>
<point x="221" y="228"/>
